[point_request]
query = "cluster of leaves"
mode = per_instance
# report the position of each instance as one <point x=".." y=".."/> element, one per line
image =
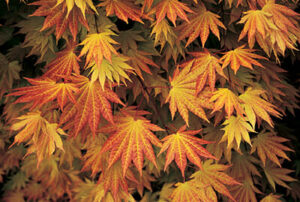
<point x="150" y="100"/>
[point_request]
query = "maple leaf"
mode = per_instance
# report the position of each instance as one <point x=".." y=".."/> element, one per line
<point x="92" y="159"/>
<point x="37" y="131"/>
<point x="186" y="191"/>
<point x="213" y="175"/>
<point x="139" y="61"/>
<point x="256" y="21"/>
<point x="9" y="71"/>
<point x="45" y="90"/>
<point x="113" y="180"/>
<point x="254" y="106"/>
<point x="182" y="95"/>
<point x="131" y="139"/>
<point x="64" y="64"/>
<point x="246" y="191"/>
<point x="224" y="96"/>
<point x="99" y="45"/>
<point x="123" y="10"/>
<point x="206" y="65"/>
<point x="182" y="146"/>
<point x="240" y="56"/>
<point x="114" y="70"/>
<point x="41" y="43"/>
<point x="82" y="4"/>
<point x="58" y="15"/>
<point x="243" y="166"/>
<point x="271" y="198"/>
<point x="200" y="24"/>
<point x="268" y="145"/>
<point x="91" y="101"/>
<point x="128" y="40"/>
<point x="171" y="8"/>
<point x="163" y="33"/>
<point x="277" y="175"/>
<point x="236" y="128"/>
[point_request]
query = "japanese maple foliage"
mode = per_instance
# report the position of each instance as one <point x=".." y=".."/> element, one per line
<point x="147" y="100"/>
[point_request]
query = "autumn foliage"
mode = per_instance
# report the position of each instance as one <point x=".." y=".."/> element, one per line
<point x="147" y="100"/>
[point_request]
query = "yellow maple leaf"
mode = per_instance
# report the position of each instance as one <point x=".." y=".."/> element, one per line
<point x="113" y="70"/>
<point x="182" y="96"/>
<point x="186" y="191"/>
<point x="254" y="106"/>
<point x="224" y="96"/>
<point x="236" y="128"/>
<point x="42" y="136"/>
<point x="82" y="4"/>
<point x="271" y="198"/>
<point x="99" y="45"/>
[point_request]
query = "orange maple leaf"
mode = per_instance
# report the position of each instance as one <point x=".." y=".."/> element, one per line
<point x="256" y="21"/>
<point x="41" y="135"/>
<point x="131" y="139"/>
<point x="182" y="146"/>
<point x="171" y="8"/>
<point x="98" y="45"/>
<point x="200" y="24"/>
<point x="213" y="175"/>
<point x="91" y="101"/>
<point x="45" y="90"/>
<point x="123" y="10"/>
<point x="182" y="96"/>
<point x="241" y="56"/>
<point x="64" y="64"/>
<point x="58" y="15"/>
<point x="224" y="96"/>
<point x="205" y="65"/>
<point x="246" y="191"/>
<point x="254" y="106"/>
<point x="268" y="145"/>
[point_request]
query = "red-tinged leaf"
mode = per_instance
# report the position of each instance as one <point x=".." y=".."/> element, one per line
<point x="200" y="24"/>
<point x="97" y="46"/>
<point x="59" y="16"/>
<point x="241" y="56"/>
<point x="82" y="4"/>
<point x="45" y="90"/>
<point x="91" y="101"/>
<point x="64" y="64"/>
<point x="182" y="96"/>
<point x="171" y="8"/>
<point x="213" y="175"/>
<point x="269" y="146"/>
<point x="131" y="139"/>
<point x="205" y="65"/>
<point x="182" y="146"/>
<point x="225" y="97"/>
<point x="123" y="10"/>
